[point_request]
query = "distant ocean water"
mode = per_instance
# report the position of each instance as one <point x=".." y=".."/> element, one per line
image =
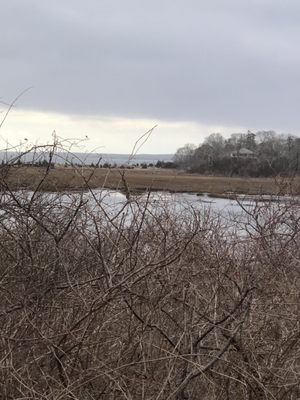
<point x="87" y="158"/>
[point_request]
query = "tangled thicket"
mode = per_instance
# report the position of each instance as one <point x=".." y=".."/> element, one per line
<point x="148" y="303"/>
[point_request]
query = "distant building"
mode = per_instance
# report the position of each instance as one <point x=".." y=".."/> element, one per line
<point x="250" y="141"/>
<point x="243" y="153"/>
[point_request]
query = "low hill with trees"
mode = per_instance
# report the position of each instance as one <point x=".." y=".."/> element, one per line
<point x="264" y="153"/>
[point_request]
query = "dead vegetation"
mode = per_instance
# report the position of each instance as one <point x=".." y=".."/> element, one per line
<point x="145" y="303"/>
<point x="74" y="178"/>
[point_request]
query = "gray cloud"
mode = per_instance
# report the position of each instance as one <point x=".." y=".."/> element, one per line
<point x="233" y="62"/>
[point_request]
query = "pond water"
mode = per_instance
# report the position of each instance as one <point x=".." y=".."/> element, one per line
<point x="239" y="216"/>
<point x="235" y="215"/>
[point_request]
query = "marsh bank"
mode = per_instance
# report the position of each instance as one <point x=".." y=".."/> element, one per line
<point x="139" y="180"/>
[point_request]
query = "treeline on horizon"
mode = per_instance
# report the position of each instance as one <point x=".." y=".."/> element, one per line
<point x="106" y="165"/>
<point x="264" y="153"/>
<point x="42" y="159"/>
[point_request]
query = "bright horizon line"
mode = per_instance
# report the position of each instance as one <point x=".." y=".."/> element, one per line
<point x="108" y="135"/>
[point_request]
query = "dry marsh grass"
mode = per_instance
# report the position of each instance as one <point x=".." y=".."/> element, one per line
<point x="61" y="178"/>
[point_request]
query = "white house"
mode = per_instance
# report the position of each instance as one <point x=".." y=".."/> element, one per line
<point x="243" y="153"/>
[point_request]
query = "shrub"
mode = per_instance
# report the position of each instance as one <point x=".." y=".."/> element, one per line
<point x="145" y="301"/>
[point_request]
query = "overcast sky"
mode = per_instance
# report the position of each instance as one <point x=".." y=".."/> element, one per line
<point x="111" y="69"/>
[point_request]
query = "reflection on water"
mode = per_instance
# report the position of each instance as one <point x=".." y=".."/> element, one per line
<point x="240" y="215"/>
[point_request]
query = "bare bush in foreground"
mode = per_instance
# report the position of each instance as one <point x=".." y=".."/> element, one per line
<point x="146" y="302"/>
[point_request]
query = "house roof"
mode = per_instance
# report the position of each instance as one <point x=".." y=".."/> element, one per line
<point x="242" y="151"/>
